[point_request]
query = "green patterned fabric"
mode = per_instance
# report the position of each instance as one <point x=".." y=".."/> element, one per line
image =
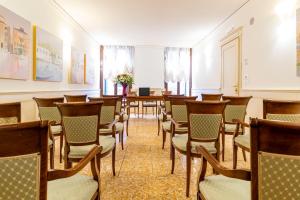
<point x="278" y="176"/>
<point x="119" y="106"/>
<point x="20" y="177"/>
<point x="107" y="143"/>
<point x="205" y="126"/>
<point x="81" y="129"/>
<point x="50" y="114"/>
<point x="161" y="117"/>
<point x="231" y="128"/>
<point x="284" y="117"/>
<point x="119" y="128"/>
<point x="77" y="187"/>
<point x="180" y="142"/>
<point x="8" y="120"/>
<point x="168" y="106"/>
<point x="235" y="112"/>
<point x="56" y="129"/>
<point x="107" y="114"/>
<point x="179" y="113"/>
<point x="221" y="187"/>
<point x="243" y="140"/>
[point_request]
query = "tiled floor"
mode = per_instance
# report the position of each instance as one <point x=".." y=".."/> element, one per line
<point x="143" y="168"/>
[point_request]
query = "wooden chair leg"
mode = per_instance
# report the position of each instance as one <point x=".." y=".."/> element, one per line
<point x="188" y="174"/>
<point x="173" y="159"/>
<point x="113" y="163"/>
<point x="244" y="155"/>
<point x="52" y="157"/>
<point x="158" y="127"/>
<point x="223" y="146"/>
<point x="121" y="135"/>
<point x="61" y="143"/>
<point x="164" y="138"/>
<point x="234" y="156"/>
<point x="127" y="124"/>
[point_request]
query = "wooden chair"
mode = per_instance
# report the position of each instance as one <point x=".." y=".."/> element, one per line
<point x="131" y="103"/>
<point x="109" y="126"/>
<point x="234" y="111"/>
<point x="76" y="98"/>
<point x="150" y="104"/>
<point x="49" y="112"/>
<point x="23" y="164"/>
<point x="121" y="115"/>
<point x="288" y="111"/>
<point x="275" y="166"/>
<point x="10" y="113"/>
<point x="204" y="122"/>
<point x="211" y="97"/>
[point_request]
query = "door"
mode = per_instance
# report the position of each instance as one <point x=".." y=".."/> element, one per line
<point x="231" y="67"/>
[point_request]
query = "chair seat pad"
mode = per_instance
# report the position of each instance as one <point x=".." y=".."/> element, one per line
<point x="125" y="117"/>
<point x="180" y="141"/>
<point x="219" y="187"/>
<point x="56" y="129"/>
<point x="77" y="187"/>
<point x="161" y="117"/>
<point x="243" y="140"/>
<point x="107" y="143"/>
<point x="231" y="128"/>
<point x="119" y="128"/>
<point x="50" y="142"/>
<point x="167" y="127"/>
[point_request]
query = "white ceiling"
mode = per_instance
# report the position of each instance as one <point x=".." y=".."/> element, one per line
<point x="149" y="22"/>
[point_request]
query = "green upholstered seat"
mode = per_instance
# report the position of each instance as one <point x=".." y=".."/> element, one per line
<point x="8" y="120"/>
<point x="180" y="141"/>
<point x="56" y="129"/>
<point x="107" y="143"/>
<point x="220" y="187"/>
<point x="243" y="140"/>
<point x="161" y="117"/>
<point x="167" y="127"/>
<point x="50" y="142"/>
<point x="125" y="117"/>
<point x="77" y="187"/>
<point x="119" y="128"/>
<point x="231" y="128"/>
<point x="284" y="117"/>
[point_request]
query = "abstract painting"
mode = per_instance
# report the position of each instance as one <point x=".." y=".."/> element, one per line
<point x="15" y="45"/>
<point x="77" y="66"/>
<point x="47" y="56"/>
<point x="90" y="67"/>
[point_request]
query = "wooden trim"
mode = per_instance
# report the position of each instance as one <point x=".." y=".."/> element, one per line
<point x="191" y="72"/>
<point x="101" y="69"/>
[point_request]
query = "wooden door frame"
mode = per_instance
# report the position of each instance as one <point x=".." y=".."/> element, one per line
<point x="231" y="36"/>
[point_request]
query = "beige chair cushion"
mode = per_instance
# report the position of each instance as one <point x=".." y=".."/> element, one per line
<point x="107" y="143"/>
<point x="119" y="128"/>
<point x="243" y="140"/>
<point x="161" y="117"/>
<point x="180" y="142"/>
<point x="50" y="142"/>
<point x="125" y="117"/>
<point x="77" y="187"/>
<point x="221" y="187"/>
<point x="8" y="120"/>
<point x="231" y="128"/>
<point x="167" y="127"/>
<point x="56" y="129"/>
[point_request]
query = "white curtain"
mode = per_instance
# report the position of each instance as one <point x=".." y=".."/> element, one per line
<point x="117" y="60"/>
<point x="177" y="64"/>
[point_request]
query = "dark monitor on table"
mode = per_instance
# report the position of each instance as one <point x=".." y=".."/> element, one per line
<point x="144" y="91"/>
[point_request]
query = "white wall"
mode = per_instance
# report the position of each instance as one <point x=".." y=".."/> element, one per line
<point x="149" y="66"/>
<point x="46" y="15"/>
<point x="268" y="53"/>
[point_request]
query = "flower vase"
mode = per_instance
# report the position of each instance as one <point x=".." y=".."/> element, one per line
<point x="124" y="92"/>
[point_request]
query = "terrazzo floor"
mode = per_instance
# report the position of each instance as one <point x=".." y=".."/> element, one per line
<point x="143" y="169"/>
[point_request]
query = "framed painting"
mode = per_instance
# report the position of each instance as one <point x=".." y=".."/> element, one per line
<point x="15" y="45"/>
<point x="298" y="41"/>
<point x="47" y="56"/>
<point x="77" y="70"/>
<point x="90" y="70"/>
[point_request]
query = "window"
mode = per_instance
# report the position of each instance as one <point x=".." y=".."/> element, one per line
<point x="116" y="60"/>
<point x="177" y="69"/>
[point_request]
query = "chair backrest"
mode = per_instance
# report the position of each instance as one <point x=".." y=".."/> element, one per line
<point x="76" y="98"/>
<point x="236" y="108"/>
<point x="281" y="110"/>
<point x="178" y="107"/>
<point x="108" y="109"/>
<point x="275" y="160"/>
<point x="80" y="122"/>
<point x="211" y="97"/>
<point x="119" y="102"/>
<point x="48" y="109"/>
<point x="23" y="160"/>
<point x="167" y="101"/>
<point x="10" y="113"/>
<point x="205" y="119"/>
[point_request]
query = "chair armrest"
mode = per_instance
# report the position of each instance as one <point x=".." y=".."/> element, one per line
<point x="90" y="157"/>
<point x="51" y="123"/>
<point x="241" y="124"/>
<point x="242" y="174"/>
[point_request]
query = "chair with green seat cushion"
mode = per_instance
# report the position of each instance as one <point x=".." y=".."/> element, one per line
<point x="81" y="123"/>
<point x="10" y="113"/>
<point x="288" y="111"/>
<point x="48" y="111"/>
<point x="234" y="111"/>
<point x="204" y="123"/>
<point x="23" y="147"/>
